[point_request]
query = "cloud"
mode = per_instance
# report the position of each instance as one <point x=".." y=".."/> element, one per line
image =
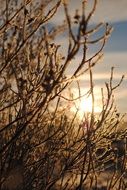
<point x="100" y="76"/>
<point x="107" y="11"/>
<point x="122" y="95"/>
<point x="118" y="60"/>
<point x="111" y="11"/>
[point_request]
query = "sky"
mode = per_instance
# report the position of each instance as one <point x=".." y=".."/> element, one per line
<point x="115" y="53"/>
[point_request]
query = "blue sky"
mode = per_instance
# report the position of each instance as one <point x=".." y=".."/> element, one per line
<point x="118" y="40"/>
<point x="115" y="53"/>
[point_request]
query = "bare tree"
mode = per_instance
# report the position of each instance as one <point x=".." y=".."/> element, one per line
<point x="41" y="147"/>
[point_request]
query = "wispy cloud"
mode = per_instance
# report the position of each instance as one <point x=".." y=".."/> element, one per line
<point x="118" y="60"/>
<point x="121" y="93"/>
<point x="111" y="11"/>
<point x="100" y="76"/>
<point x="107" y="11"/>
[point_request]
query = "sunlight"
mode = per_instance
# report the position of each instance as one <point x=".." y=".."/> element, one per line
<point x="85" y="106"/>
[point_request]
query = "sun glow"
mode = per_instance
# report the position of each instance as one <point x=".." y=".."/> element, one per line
<point x="84" y="105"/>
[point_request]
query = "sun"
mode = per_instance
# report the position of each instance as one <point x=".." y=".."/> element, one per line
<point x="84" y="105"/>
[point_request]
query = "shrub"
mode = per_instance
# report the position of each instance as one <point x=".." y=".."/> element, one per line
<point x="43" y="144"/>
